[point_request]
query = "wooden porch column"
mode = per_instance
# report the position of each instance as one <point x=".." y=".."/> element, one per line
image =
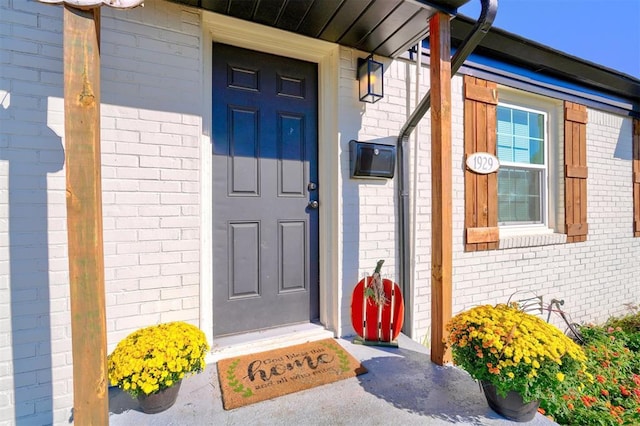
<point x="84" y="214"/>
<point x="81" y="38"/>
<point x="441" y="233"/>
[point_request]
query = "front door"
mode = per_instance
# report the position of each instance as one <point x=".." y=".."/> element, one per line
<point x="265" y="179"/>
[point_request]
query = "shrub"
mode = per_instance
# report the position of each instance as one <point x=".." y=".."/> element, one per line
<point x="609" y="392"/>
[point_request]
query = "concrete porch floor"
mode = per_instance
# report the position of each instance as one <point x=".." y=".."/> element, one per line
<point x="402" y="387"/>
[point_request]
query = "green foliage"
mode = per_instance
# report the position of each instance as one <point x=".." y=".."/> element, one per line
<point x="629" y="323"/>
<point x="608" y="392"/>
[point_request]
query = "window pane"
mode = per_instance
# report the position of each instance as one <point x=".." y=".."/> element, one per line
<point x="520" y="136"/>
<point x="505" y="147"/>
<point x="520" y="123"/>
<point x="537" y="151"/>
<point x="504" y="120"/>
<point x="505" y="134"/>
<point x="521" y="150"/>
<point x="519" y="195"/>
<point x="536" y="125"/>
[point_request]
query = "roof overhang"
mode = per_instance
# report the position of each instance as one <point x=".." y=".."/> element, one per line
<point x="383" y="27"/>
<point x="543" y="60"/>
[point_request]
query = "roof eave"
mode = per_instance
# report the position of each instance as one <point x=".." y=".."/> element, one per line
<point x="510" y="48"/>
<point x="383" y="27"/>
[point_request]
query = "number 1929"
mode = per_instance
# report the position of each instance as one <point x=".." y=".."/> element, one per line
<point x="483" y="163"/>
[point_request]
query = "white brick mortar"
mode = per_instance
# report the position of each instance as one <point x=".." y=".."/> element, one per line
<point x="151" y="106"/>
<point x="151" y="126"/>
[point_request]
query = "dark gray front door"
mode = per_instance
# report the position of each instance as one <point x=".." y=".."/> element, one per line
<point x="265" y="226"/>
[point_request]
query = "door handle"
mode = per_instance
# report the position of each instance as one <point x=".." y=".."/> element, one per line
<point x="313" y="204"/>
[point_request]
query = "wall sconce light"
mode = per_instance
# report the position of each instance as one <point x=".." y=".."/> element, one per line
<point x="370" y="79"/>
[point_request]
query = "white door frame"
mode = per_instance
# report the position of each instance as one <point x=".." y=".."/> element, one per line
<point x="224" y="29"/>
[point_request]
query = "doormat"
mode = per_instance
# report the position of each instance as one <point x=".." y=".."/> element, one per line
<point x="252" y="378"/>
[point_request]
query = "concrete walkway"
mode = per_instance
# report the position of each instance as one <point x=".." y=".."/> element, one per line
<point x="402" y="387"/>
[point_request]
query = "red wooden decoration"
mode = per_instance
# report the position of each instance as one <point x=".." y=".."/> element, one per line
<point x="377" y="324"/>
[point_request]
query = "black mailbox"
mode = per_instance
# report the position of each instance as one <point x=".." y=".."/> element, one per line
<point x="371" y="160"/>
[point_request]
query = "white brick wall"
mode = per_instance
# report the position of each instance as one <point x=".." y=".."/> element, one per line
<point x="369" y="210"/>
<point x="151" y="106"/>
<point x="152" y="101"/>
<point x="35" y="353"/>
<point x="596" y="278"/>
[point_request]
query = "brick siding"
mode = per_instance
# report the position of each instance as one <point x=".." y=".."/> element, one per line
<point x="151" y="106"/>
<point x="152" y="102"/>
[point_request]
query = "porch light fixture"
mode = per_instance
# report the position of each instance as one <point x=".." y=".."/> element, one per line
<point x="370" y="79"/>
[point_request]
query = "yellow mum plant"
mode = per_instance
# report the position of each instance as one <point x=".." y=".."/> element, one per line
<point x="514" y="351"/>
<point x="155" y="358"/>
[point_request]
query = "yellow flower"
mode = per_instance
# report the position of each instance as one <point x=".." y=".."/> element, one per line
<point x="156" y="357"/>
<point x="487" y="339"/>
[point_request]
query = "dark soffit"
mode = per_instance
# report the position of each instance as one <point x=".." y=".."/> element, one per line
<point x="384" y="27"/>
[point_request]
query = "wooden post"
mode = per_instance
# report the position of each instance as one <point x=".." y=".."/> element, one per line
<point x="441" y="233"/>
<point x="84" y="214"/>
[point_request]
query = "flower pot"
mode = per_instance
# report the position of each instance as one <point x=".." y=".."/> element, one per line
<point x="159" y="401"/>
<point x="512" y="406"/>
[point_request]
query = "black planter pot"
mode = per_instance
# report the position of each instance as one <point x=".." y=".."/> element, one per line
<point x="512" y="406"/>
<point x="159" y="401"/>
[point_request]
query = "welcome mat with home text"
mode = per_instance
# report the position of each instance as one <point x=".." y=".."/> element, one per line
<point x="265" y="375"/>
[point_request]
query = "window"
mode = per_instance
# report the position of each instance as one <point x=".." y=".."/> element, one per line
<point x="522" y="178"/>
<point x="539" y="194"/>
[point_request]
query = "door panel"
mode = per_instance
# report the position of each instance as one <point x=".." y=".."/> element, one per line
<point x="244" y="151"/>
<point x="293" y="257"/>
<point x="265" y="237"/>
<point x="244" y="245"/>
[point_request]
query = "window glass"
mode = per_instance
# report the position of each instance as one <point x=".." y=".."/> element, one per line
<point x="519" y="195"/>
<point x="521" y="151"/>
<point x="520" y="136"/>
